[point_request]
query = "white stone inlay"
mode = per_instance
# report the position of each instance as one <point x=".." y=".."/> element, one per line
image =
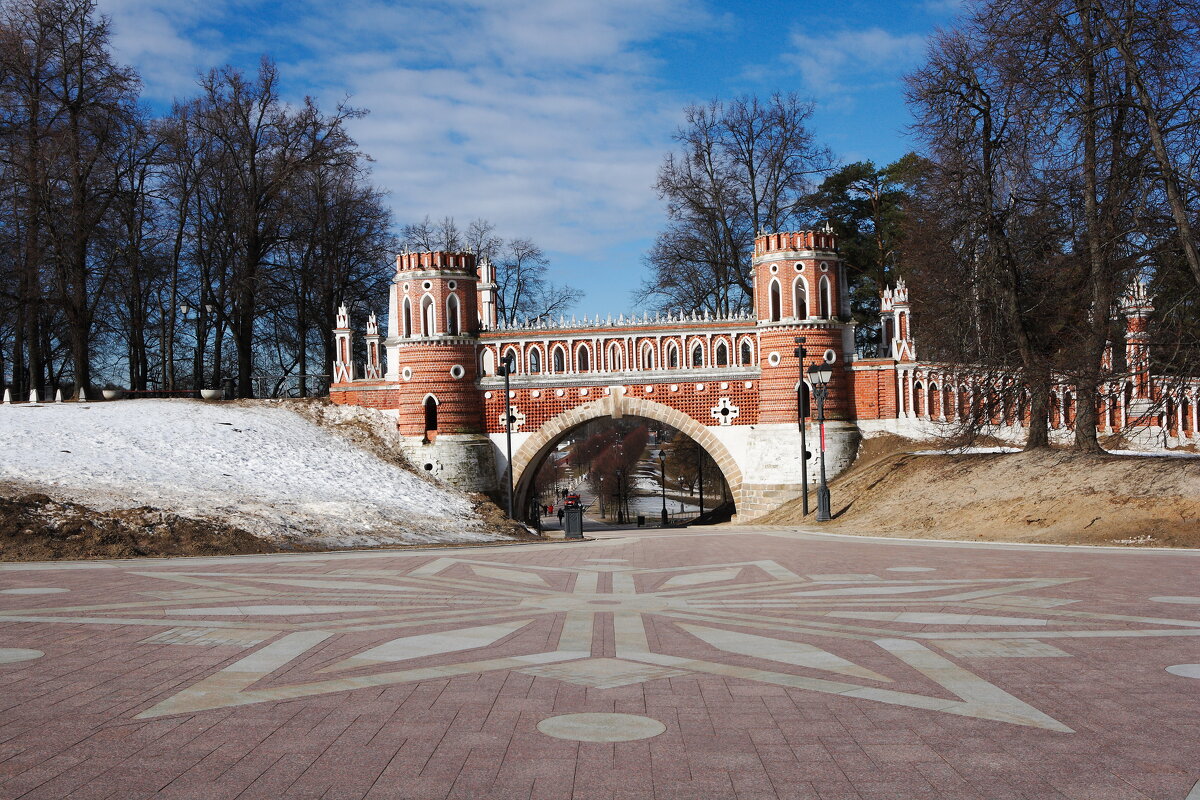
<point x="1180" y="600"/>
<point x="603" y="673"/>
<point x="601" y="727"/>
<point x="931" y="618"/>
<point x="429" y="644"/>
<point x="694" y="578"/>
<point x="265" y="611"/>
<point x="1000" y="648"/>
<point x="1185" y="670"/>
<point x="531" y="578"/>
<point x="34" y="590"/>
<point x="910" y="569"/>
<point x="11" y="655"/>
<point x="785" y="652"/>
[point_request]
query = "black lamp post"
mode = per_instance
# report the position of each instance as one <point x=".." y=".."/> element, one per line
<point x="802" y="413"/>
<point x="601" y="498"/>
<point x="819" y="375"/>
<point x="662" y="479"/>
<point x="505" y="368"/>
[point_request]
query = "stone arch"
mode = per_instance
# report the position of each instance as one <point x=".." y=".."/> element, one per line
<point x="535" y="449"/>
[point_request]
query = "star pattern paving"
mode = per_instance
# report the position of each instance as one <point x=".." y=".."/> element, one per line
<point x="604" y="624"/>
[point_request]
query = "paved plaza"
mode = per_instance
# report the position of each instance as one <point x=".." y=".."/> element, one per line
<point x="706" y="664"/>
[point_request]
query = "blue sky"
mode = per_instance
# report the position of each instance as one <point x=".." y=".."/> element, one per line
<point x="549" y="118"/>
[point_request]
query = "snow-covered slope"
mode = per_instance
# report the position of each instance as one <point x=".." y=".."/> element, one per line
<point x="260" y="467"/>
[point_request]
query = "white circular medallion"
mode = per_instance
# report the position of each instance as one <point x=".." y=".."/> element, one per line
<point x="457" y="371"/>
<point x="799" y="266"/>
<point x="601" y="727"/>
<point x="749" y="385"/>
<point x="487" y="395"/>
<point x="724" y="385"/>
<point x="830" y="356"/>
<point x="452" y="285"/>
<point x="11" y="655"/>
<point x="773" y="359"/>
<point x="536" y="393"/>
<point x="674" y="387"/>
<point x="558" y="392"/>
<point x="584" y="392"/>
<point x="406" y="373"/>
<point x="699" y="387"/>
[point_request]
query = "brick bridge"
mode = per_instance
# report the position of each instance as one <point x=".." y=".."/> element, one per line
<point x="732" y="384"/>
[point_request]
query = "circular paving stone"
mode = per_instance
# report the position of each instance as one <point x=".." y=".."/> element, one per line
<point x="1185" y="670"/>
<point x="34" y="590"/>
<point x="601" y="727"/>
<point x="1183" y="601"/>
<point x="11" y="655"/>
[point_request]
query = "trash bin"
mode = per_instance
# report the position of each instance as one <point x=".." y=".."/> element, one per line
<point x="573" y="522"/>
<point x="641" y="520"/>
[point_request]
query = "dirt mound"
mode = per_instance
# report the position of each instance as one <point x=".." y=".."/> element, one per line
<point x="35" y="527"/>
<point x="1044" y="496"/>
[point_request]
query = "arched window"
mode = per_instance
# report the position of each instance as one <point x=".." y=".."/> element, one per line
<point x="427" y="316"/>
<point x="919" y="399"/>
<point x="581" y="358"/>
<point x="511" y="357"/>
<point x="824" y="292"/>
<point x="747" y="353"/>
<point x="722" y="354"/>
<point x="697" y="355"/>
<point x="407" y="315"/>
<point x="800" y="298"/>
<point x="489" y="362"/>
<point x="776" y="313"/>
<point x="560" y="360"/>
<point x="647" y="355"/>
<point x="934" y="401"/>
<point x="431" y="409"/>
<point x="672" y="356"/>
<point x="452" y="318"/>
<point x="614" y="358"/>
<point x="535" y="361"/>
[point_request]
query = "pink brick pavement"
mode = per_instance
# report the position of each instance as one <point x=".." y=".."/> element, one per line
<point x="781" y="665"/>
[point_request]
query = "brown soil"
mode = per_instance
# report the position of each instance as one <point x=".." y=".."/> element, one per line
<point x="1049" y="496"/>
<point x="35" y="527"/>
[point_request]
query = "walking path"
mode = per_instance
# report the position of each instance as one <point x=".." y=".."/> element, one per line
<point x="734" y="663"/>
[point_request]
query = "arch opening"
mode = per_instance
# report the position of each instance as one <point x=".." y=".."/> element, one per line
<point x="567" y="453"/>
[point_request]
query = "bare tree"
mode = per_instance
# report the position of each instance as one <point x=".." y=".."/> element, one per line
<point x="744" y="165"/>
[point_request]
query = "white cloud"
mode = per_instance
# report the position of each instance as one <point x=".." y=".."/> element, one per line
<point x="544" y="117"/>
<point x="836" y="65"/>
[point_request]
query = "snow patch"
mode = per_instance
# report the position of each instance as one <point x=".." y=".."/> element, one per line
<point x="262" y="467"/>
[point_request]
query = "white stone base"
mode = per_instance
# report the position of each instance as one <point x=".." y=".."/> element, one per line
<point x="464" y="461"/>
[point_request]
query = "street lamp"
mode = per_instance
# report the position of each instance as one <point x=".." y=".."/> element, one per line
<point x="507" y="364"/>
<point x="601" y="498"/>
<point x="802" y="414"/>
<point x="662" y="480"/>
<point x="819" y="375"/>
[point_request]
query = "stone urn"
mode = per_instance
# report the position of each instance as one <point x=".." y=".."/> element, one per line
<point x="212" y="394"/>
<point x="113" y="394"/>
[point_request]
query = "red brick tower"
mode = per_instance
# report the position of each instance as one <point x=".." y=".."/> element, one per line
<point x="433" y="335"/>
<point x="798" y="292"/>
<point x="435" y="344"/>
